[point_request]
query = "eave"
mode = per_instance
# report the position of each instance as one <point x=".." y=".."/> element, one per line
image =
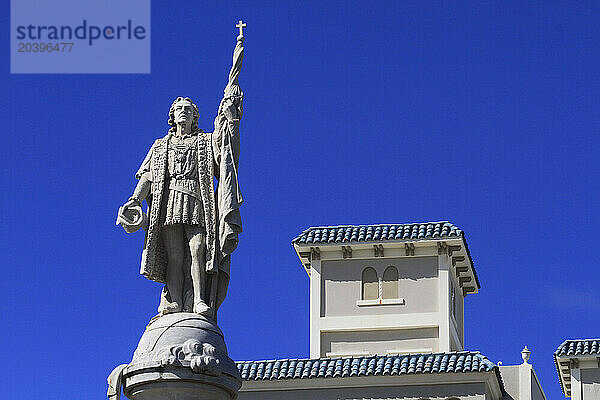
<point x="455" y="247"/>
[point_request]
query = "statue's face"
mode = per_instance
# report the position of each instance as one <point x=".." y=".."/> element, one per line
<point x="184" y="112"/>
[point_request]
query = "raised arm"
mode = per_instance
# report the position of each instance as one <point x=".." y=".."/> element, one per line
<point x="233" y="87"/>
<point x="230" y="110"/>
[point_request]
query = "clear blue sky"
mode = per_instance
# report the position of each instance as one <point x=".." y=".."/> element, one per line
<point x="484" y="114"/>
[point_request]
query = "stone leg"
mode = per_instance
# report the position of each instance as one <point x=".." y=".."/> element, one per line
<point x="174" y="240"/>
<point x="196" y="241"/>
<point x="188" y="289"/>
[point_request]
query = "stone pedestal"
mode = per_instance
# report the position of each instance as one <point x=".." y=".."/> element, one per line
<point x="181" y="356"/>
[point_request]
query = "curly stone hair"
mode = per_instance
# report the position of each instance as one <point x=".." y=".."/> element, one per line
<point x="172" y="123"/>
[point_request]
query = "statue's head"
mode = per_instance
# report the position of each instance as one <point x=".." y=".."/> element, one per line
<point x="183" y="111"/>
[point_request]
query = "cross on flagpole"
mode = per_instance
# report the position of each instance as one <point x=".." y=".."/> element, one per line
<point x="241" y="25"/>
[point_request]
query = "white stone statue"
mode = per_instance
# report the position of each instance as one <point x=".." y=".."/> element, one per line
<point x="191" y="227"/>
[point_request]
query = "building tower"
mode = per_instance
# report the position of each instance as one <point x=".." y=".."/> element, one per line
<point x="386" y="289"/>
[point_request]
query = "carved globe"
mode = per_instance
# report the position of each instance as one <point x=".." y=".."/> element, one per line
<point x="183" y="356"/>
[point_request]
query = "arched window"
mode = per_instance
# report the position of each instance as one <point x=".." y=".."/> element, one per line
<point x="390" y="283"/>
<point x="370" y="285"/>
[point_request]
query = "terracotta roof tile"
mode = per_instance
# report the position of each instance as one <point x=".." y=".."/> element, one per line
<point x="377" y="233"/>
<point x="457" y="362"/>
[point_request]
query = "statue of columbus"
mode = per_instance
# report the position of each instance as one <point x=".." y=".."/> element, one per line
<point x="191" y="227"/>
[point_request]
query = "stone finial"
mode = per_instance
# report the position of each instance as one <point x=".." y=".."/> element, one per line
<point x="525" y="353"/>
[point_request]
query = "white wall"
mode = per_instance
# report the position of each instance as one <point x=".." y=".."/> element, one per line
<point x="378" y="341"/>
<point x="341" y="286"/>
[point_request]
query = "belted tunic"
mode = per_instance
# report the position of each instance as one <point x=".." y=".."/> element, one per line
<point x="184" y="200"/>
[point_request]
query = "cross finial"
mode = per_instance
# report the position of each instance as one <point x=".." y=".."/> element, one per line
<point x="241" y="25"/>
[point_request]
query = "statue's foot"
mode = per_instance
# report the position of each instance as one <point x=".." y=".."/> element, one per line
<point x="202" y="308"/>
<point x="169" y="308"/>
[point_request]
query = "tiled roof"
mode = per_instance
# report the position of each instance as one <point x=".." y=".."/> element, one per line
<point x="385" y="232"/>
<point x="436" y="363"/>
<point x="578" y="348"/>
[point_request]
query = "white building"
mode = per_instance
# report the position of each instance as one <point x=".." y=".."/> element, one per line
<point x="386" y="321"/>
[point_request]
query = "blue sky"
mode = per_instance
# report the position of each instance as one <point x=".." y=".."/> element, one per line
<point x="482" y="113"/>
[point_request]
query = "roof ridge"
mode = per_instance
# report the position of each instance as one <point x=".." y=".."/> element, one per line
<point x="348" y="233"/>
